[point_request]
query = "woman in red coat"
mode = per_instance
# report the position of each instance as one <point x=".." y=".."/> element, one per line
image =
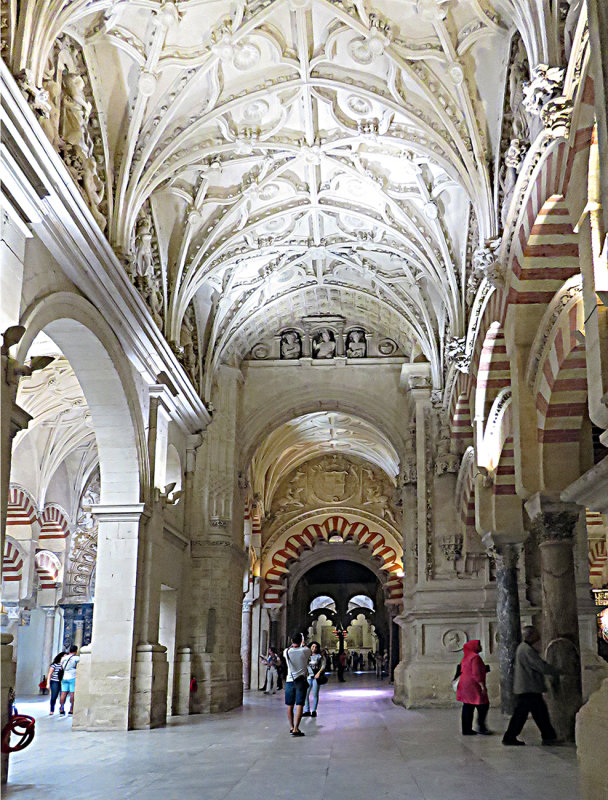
<point x="472" y="691"/>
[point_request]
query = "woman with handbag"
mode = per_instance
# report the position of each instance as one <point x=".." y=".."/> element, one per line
<point x="316" y="678"/>
<point x="55" y="675"/>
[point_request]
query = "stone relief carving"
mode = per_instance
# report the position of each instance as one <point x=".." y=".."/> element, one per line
<point x="324" y="344"/>
<point x="454" y="640"/>
<point x="408" y="465"/>
<point x="355" y="344"/>
<point x="543" y="97"/>
<point x="291" y="345"/>
<point x="445" y="460"/>
<point x="336" y="479"/>
<point x="65" y="108"/>
<point x="456" y="353"/>
<point x="80" y="570"/>
<point x="451" y="547"/>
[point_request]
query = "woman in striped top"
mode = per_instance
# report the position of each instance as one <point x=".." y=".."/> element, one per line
<point x="54" y="679"/>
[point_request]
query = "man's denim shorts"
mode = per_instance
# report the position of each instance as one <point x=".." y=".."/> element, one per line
<point x="295" y="691"/>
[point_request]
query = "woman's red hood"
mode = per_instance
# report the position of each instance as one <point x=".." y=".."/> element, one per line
<point x="471" y="647"/>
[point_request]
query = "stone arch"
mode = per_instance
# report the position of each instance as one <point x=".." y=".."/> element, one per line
<point x="557" y="374"/>
<point x="465" y="499"/>
<point x="103" y="372"/>
<point x="12" y="561"/>
<point x="21" y="508"/>
<point x="493" y="375"/>
<point x="290" y="546"/>
<point x="47" y="569"/>
<point x="54" y="523"/>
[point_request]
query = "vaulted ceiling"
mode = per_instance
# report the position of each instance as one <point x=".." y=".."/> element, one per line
<point x="295" y="156"/>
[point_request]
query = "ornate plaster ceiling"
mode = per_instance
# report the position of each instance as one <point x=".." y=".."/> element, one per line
<point x="291" y="153"/>
<point x="312" y="435"/>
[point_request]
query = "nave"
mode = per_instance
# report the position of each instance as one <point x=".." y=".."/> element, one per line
<point x="360" y="746"/>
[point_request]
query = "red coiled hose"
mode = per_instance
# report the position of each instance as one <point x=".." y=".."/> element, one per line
<point x="21" y="725"/>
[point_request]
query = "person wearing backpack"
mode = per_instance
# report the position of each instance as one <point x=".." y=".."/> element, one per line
<point x="68" y="683"/>
<point x="55" y="674"/>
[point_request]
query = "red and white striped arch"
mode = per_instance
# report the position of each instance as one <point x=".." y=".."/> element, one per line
<point x="21" y="508"/>
<point x="54" y="523"/>
<point x="492" y="375"/>
<point x="291" y="547"/>
<point x="465" y="494"/>
<point x="558" y="368"/>
<point x="47" y="569"/>
<point x="12" y="562"/>
<point x="598" y="558"/>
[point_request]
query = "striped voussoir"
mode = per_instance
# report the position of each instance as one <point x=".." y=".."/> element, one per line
<point x="21" y="508"/>
<point x="47" y="569"/>
<point x="562" y="385"/>
<point x="504" y="483"/>
<point x="54" y="523"/>
<point x="359" y="532"/>
<point x="12" y="563"/>
<point x="493" y="373"/>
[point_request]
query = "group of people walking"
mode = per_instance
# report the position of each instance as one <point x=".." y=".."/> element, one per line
<point x="528" y="688"/>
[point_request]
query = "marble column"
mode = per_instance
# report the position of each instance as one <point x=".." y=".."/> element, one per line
<point x="47" y="642"/>
<point x="508" y="616"/>
<point x="553" y="526"/>
<point x="246" y="642"/>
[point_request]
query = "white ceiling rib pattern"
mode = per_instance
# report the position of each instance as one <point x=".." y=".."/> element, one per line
<point x="295" y="150"/>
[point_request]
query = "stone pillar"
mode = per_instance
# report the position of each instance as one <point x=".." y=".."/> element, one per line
<point x="219" y="560"/>
<point x="275" y="623"/>
<point x="181" y="681"/>
<point x="508" y="616"/>
<point x="119" y="681"/>
<point x="78" y="631"/>
<point x="246" y="642"/>
<point x="553" y="525"/>
<point x="420" y="391"/>
<point x="47" y="645"/>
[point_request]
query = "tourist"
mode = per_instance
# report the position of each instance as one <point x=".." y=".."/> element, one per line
<point x="296" y="684"/>
<point x="316" y="667"/>
<point x="69" y="663"/>
<point x="271" y="660"/>
<point x="472" y="692"/>
<point x="371" y="662"/>
<point x="528" y="688"/>
<point x="54" y="679"/>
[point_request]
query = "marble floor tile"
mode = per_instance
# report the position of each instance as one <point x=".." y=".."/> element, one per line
<point x="361" y="746"/>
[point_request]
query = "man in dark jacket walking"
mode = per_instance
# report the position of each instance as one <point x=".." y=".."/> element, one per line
<point x="528" y="688"/>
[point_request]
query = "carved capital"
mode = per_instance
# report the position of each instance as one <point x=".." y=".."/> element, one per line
<point x="552" y="520"/>
<point x="507" y="556"/>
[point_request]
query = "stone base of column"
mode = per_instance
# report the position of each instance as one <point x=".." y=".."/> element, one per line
<point x="149" y="704"/>
<point x="8" y="682"/>
<point x="220" y="685"/>
<point x="432" y="649"/>
<point x="591" y="738"/>
<point x="182" y="679"/>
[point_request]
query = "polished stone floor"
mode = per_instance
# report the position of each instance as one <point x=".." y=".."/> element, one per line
<point x="360" y="747"/>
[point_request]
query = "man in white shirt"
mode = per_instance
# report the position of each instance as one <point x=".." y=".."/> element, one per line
<point x="68" y="682"/>
<point x="297" y="657"/>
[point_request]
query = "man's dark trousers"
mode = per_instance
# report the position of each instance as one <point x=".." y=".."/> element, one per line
<point x="530" y="703"/>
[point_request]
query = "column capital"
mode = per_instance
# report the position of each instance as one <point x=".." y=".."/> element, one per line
<point x="248" y="606"/>
<point x="274" y="614"/>
<point x="552" y="520"/>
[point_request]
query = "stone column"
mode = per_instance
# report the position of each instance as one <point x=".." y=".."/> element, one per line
<point x="219" y="560"/>
<point x="508" y="616"/>
<point x="119" y="680"/>
<point x="275" y="622"/>
<point x="47" y="645"/>
<point x="420" y="390"/>
<point x="246" y="642"/>
<point x="553" y="525"/>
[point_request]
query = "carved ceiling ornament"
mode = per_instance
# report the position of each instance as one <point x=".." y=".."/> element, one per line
<point x="79" y="574"/>
<point x="335" y="479"/>
<point x="351" y="173"/>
